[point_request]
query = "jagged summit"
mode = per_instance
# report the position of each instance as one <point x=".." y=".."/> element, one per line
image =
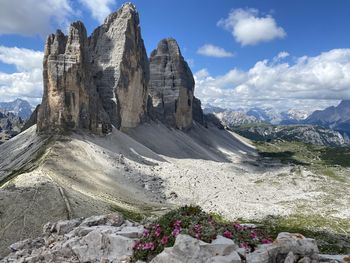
<point x="105" y="80"/>
<point x="95" y="82"/>
<point x="171" y="86"/>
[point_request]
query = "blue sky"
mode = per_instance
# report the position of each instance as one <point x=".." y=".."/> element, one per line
<point x="285" y="54"/>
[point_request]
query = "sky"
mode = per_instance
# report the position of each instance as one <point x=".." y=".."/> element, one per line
<point x="243" y="53"/>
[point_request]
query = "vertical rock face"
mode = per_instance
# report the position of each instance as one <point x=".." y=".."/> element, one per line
<point x="171" y="86"/>
<point x="65" y="102"/>
<point x="95" y="82"/>
<point x="120" y="67"/>
<point x="197" y="111"/>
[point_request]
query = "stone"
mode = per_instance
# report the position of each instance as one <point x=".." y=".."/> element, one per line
<point x="97" y="245"/>
<point x="296" y="243"/>
<point x="336" y="258"/>
<point x="171" y="86"/>
<point x="305" y="260"/>
<point x="258" y="256"/>
<point x="291" y="258"/>
<point x="113" y="219"/>
<point x="64" y="227"/>
<point x="231" y="258"/>
<point x="131" y="231"/>
<point x="189" y="249"/>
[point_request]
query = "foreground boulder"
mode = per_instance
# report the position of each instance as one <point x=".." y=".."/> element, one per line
<point x="111" y="238"/>
<point x="171" y="86"/>
<point x="107" y="238"/>
<point x="96" y="82"/>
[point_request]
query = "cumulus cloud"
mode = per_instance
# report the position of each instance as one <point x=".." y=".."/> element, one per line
<point x="214" y="51"/>
<point x="248" y="28"/>
<point x="27" y="82"/>
<point x="323" y="79"/>
<point x="99" y="9"/>
<point x="32" y="17"/>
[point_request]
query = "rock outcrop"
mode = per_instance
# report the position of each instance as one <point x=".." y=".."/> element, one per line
<point x="95" y="82"/>
<point x="65" y="103"/>
<point x="171" y="86"/>
<point x="120" y="69"/>
<point x="106" y="238"/>
<point x="32" y="119"/>
<point x="197" y="111"/>
<point x="110" y="238"/>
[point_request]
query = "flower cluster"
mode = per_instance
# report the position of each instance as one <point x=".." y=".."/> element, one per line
<point x="193" y="221"/>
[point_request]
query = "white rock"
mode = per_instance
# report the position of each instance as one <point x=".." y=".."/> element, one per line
<point x="290" y="258"/>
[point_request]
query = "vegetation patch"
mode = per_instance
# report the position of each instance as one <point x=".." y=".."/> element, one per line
<point x="192" y="220"/>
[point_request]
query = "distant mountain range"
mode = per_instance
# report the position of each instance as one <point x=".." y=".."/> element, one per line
<point x="330" y="127"/>
<point x="12" y="118"/>
<point x="19" y="107"/>
<point x="236" y="117"/>
<point x="337" y="118"/>
<point x="301" y="133"/>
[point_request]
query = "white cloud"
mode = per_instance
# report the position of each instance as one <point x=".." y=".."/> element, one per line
<point x="32" y="17"/>
<point x="310" y="82"/>
<point x="249" y="29"/>
<point x="214" y="51"/>
<point x="27" y="82"/>
<point x="99" y="9"/>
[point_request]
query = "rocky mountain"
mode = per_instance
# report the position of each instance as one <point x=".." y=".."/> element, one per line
<point x="104" y="80"/>
<point x="95" y="82"/>
<point x="171" y="86"/>
<point x="235" y="118"/>
<point x="240" y="116"/>
<point x="18" y="107"/>
<point x="10" y="125"/>
<point x="117" y="132"/>
<point x="307" y="133"/>
<point x="337" y="118"/>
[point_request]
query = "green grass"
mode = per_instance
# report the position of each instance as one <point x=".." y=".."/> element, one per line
<point x="330" y="162"/>
<point x="128" y="213"/>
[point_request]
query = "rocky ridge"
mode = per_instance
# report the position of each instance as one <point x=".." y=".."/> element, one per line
<point x="336" y="118"/>
<point x="302" y="133"/>
<point x="110" y="238"/>
<point x="18" y="107"/>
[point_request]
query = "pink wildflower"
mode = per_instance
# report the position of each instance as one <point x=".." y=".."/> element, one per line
<point x="158" y="231"/>
<point x="136" y="245"/>
<point x="176" y="231"/>
<point x="145" y="232"/>
<point x="164" y="240"/>
<point x="238" y="226"/>
<point x="227" y="234"/>
<point x="266" y="241"/>
<point x="245" y="246"/>
<point x="253" y="235"/>
<point x="197" y="228"/>
<point x="148" y="246"/>
<point x="177" y="223"/>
